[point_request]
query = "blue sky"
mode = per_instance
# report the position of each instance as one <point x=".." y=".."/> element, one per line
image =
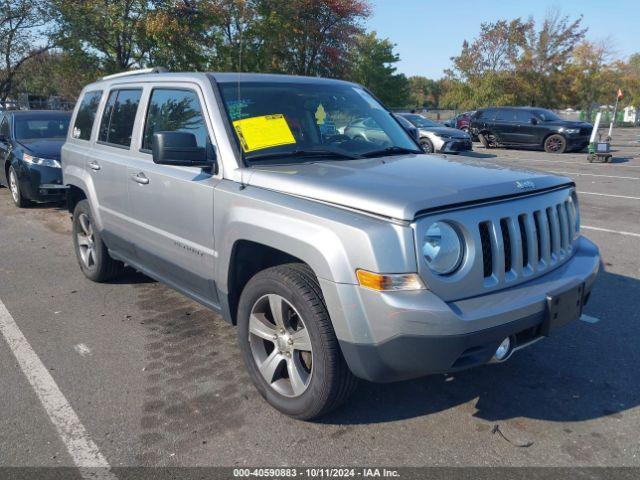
<point x="427" y="33"/>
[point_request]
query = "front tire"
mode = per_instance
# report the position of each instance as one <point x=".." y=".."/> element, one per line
<point x="91" y="252"/>
<point x="426" y="145"/>
<point x="288" y="343"/>
<point x="18" y="198"/>
<point x="484" y="140"/>
<point x="555" y="144"/>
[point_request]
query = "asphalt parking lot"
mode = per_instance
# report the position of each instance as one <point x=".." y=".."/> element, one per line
<point x="155" y="379"/>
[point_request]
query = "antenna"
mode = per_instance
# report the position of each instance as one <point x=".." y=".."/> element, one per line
<point x="240" y="56"/>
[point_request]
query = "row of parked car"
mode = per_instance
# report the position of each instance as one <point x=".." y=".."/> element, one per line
<point x="30" y="141"/>
<point x="512" y="127"/>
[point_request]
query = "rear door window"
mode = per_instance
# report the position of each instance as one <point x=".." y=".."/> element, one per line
<point x="119" y="116"/>
<point x="173" y="110"/>
<point x="86" y="115"/>
<point x="503" y="115"/>
<point x="523" y="116"/>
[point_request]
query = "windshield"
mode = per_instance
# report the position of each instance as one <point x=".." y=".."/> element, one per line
<point x="546" y="115"/>
<point x="31" y="128"/>
<point x="421" y="122"/>
<point x="292" y="122"/>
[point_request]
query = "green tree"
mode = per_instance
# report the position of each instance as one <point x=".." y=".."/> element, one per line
<point x="309" y="37"/>
<point x="372" y="64"/>
<point x="630" y="80"/>
<point x="57" y="73"/>
<point x="513" y="62"/>
<point x="221" y="35"/>
<point x="20" y="22"/>
<point x="540" y="70"/>
<point x="113" y="31"/>
<point x="425" y="92"/>
<point x="591" y="78"/>
<point x="482" y="74"/>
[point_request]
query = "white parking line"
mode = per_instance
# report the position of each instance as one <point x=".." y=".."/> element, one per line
<point x="609" y="195"/>
<point x="595" y="175"/>
<point x="83" y="450"/>
<point x="619" y="232"/>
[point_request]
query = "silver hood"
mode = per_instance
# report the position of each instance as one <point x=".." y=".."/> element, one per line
<point x="399" y="187"/>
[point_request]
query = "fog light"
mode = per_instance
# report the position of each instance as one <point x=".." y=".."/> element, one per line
<point x="503" y="350"/>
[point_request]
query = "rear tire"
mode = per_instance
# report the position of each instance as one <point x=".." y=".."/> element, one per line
<point x="555" y="144"/>
<point x="91" y="252"/>
<point x="18" y="198"/>
<point x="309" y="377"/>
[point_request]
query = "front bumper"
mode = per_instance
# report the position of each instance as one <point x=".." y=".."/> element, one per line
<point x="577" y="143"/>
<point x="399" y="335"/>
<point x="41" y="184"/>
<point x="456" y="145"/>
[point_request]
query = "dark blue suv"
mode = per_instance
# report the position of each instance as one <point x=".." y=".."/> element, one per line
<point x="30" y="143"/>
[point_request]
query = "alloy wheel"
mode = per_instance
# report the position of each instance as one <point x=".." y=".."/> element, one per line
<point x="86" y="241"/>
<point x="554" y="144"/>
<point x="280" y="345"/>
<point x="13" y="185"/>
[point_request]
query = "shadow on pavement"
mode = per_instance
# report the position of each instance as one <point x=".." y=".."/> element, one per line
<point x="583" y="372"/>
<point x="132" y="277"/>
<point x="475" y="154"/>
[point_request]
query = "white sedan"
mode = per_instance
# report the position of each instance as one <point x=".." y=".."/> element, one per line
<point x="434" y="137"/>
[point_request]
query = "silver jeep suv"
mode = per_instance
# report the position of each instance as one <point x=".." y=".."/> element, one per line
<point x="338" y="257"/>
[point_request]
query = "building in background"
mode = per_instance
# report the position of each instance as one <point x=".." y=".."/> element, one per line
<point x="631" y="114"/>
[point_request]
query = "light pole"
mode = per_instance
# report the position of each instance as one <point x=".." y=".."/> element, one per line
<point x="619" y="95"/>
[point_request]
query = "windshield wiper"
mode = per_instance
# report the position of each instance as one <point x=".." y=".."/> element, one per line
<point x="305" y="153"/>
<point x="389" y="151"/>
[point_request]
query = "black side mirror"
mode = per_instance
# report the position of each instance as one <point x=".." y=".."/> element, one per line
<point x="534" y="121"/>
<point x="3" y="138"/>
<point x="181" y="149"/>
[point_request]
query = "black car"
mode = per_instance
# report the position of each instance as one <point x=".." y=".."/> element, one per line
<point x="30" y="143"/>
<point x="529" y="127"/>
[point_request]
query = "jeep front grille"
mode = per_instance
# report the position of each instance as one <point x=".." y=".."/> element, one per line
<point x="506" y="242"/>
<point x="527" y="242"/>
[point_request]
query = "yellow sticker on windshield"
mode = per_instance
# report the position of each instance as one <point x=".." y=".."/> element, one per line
<point x="267" y="131"/>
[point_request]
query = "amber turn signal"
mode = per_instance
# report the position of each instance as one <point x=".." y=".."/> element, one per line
<point x="389" y="282"/>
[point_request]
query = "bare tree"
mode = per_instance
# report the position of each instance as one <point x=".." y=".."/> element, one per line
<point x="22" y="24"/>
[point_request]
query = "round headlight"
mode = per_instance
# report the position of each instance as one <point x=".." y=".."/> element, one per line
<point x="442" y="248"/>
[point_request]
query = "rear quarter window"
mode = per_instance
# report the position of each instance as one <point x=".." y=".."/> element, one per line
<point x="119" y="116"/>
<point x="86" y="115"/>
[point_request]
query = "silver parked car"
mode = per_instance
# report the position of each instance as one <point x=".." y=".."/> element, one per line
<point x="435" y="137"/>
<point x="337" y="258"/>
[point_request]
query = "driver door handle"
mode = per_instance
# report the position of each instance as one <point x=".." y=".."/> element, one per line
<point x="94" y="165"/>
<point x="140" y="178"/>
